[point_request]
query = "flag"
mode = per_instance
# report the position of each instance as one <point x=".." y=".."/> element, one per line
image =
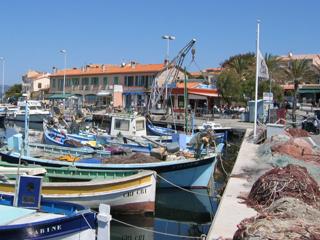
<point x="262" y="67"/>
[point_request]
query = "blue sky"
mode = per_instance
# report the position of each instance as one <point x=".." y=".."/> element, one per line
<point x="108" y="31"/>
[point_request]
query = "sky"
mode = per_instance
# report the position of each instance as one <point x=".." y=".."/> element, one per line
<point x="33" y="32"/>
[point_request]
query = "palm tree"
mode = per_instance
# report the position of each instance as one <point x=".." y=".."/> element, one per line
<point x="296" y="71"/>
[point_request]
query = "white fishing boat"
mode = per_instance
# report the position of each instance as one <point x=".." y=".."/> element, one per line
<point x="36" y="112"/>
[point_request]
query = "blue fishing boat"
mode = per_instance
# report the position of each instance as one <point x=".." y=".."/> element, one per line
<point x="160" y="131"/>
<point x="26" y="215"/>
<point x="183" y="171"/>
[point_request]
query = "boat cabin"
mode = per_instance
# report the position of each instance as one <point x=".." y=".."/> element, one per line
<point x="128" y="125"/>
<point x="32" y="104"/>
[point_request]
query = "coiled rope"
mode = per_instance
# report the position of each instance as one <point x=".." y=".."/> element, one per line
<point x="203" y="236"/>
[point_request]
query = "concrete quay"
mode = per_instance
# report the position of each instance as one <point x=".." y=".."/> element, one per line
<point x="231" y="210"/>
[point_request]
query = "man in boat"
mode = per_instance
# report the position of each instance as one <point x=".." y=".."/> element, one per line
<point x="202" y="140"/>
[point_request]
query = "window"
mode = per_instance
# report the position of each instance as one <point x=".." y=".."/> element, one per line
<point x="140" y="125"/>
<point x="121" y="124"/>
<point x="105" y="81"/>
<point x="180" y="101"/>
<point x="129" y="81"/>
<point x="53" y="82"/>
<point x="75" y="81"/>
<point x="139" y="81"/>
<point x="60" y="84"/>
<point x="85" y="81"/>
<point x="115" y="80"/>
<point x="68" y="82"/>
<point x="39" y="85"/>
<point x="94" y="81"/>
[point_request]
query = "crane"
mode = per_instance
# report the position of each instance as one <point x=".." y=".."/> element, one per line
<point x="167" y="76"/>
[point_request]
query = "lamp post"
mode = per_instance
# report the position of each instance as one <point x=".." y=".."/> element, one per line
<point x="64" y="52"/>
<point x="2" y="59"/>
<point x="168" y="38"/>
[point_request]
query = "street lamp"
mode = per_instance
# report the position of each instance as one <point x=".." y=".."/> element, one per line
<point x="2" y="59"/>
<point x="64" y="52"/>
<point x="168" y="38"/>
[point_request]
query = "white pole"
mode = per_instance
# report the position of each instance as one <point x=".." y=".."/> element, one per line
<point x="104" y="218"/>
<point x="2" y="59"/>
<point x="257" y="79"/>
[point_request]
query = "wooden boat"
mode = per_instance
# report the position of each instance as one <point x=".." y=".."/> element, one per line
<point x="160" y="131"/>
<point x="125" y="191"/>
<point x="53" y="220"/>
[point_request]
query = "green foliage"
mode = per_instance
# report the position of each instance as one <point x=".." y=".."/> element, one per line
<point x="228" y="84"/>
<point x="236" y="82"/>
<point x="14" y="91"/>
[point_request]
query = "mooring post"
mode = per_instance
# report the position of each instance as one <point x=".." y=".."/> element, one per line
<point x="104" y="219"/>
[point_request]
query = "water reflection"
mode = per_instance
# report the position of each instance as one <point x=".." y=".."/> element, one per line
<point x="177" y="213"/>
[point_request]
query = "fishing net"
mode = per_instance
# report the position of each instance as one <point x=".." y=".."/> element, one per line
<point x="286" y="218"/>
<point x="297" y="132"/>
<point x="290" y="181"/>
<point x="133" y="158"/>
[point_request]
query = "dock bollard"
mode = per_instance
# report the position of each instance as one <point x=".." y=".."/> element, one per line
<point x="104" y="219"/>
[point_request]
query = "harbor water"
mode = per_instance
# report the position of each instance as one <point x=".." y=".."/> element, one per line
<point x="178" y="212"/>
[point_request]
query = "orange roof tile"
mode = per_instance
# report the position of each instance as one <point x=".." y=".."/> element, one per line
<point x="97" y="69"/>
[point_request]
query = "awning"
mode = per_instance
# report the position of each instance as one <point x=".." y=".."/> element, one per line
<point x="60" y="96"/>
<point x="203" y="93"/>
<point x="309" y="90"/>
<point x="104" y="93"/>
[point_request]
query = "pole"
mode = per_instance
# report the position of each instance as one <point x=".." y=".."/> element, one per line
<point x="257" y="79"/>
<point x="269" y="97"/>
<point x="185" y="101"/>
<point x="64" y="79"/>
<point x="26" y="130"/>
<point x="2" y="96"/>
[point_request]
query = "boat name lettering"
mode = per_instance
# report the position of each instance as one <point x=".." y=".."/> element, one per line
<point x="130" y="237"/>
<point x="136" y="192"/>
<point x="49" y="229"/>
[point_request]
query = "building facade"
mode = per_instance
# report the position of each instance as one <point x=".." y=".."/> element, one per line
<point x="36" y="84"/>
<point x="95" y="83"/>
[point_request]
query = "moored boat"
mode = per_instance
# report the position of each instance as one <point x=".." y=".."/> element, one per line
<point x="53" y="220"/>
<point x="125" y="191"/>
<point x="182" y="171"/>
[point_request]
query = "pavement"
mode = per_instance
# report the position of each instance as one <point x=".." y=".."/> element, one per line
<point x="232" y="210"/>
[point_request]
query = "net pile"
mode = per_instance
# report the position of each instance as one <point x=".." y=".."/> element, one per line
<point x="290" y="181"/>
<point x="286" y="218"/>
<point x="297" y="132"/>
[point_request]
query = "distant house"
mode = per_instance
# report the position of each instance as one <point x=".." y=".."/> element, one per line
<point x="309" y="89"/>
<point x="36" y="84"/>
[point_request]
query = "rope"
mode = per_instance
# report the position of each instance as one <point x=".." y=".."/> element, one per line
<point x="86" y="221"/>
<point x="184" y="189"/>
<point x="221" y="163"/>
<point x="203" y="236"/>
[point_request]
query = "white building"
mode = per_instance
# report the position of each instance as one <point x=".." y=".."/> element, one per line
<point x="36" y="84"/>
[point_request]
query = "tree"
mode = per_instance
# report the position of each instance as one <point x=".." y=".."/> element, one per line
<point x="14" y="92"/>
<point x="296" y="71"/>
<point x="228" y="84"/>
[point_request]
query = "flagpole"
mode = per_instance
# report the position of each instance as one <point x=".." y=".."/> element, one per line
<point x="257" y="79"/>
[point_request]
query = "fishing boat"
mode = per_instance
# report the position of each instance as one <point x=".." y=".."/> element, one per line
<point x="129" y="192"/>
<point x="160" y="131"/>
<point x="59" y="139"/>
<point x="183" y="171"/>
<point x="36" y="112"/>
<point x="26" y="215"/>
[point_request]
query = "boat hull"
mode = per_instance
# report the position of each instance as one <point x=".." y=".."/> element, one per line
<point x="32" y="117"/>
<point x="80" y="225"/>
<point x="130" y="195"/>
<point x="184" y="173"/>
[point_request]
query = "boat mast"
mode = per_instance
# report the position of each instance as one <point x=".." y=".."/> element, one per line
<point x="185" y="102"/>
